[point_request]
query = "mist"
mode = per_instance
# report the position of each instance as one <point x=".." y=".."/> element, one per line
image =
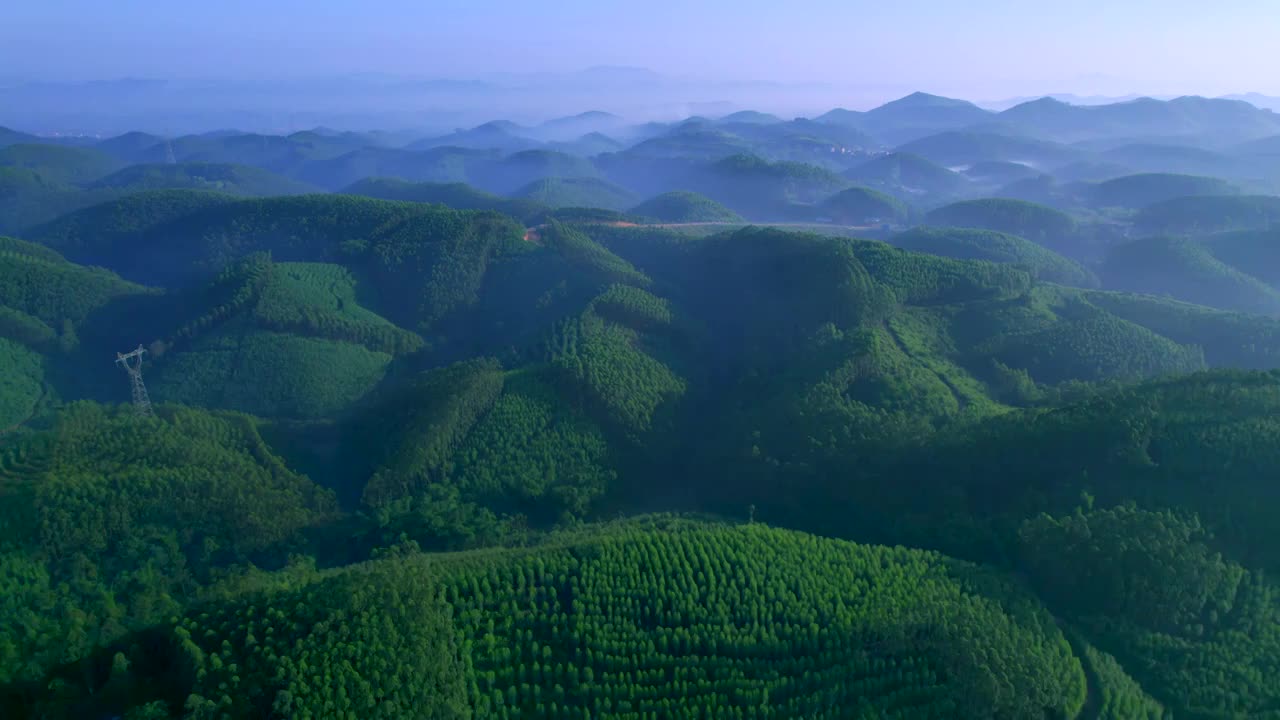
<point x="389" y="102"/>
<point x="434" y="67"/>
<point x="425" y="106"/>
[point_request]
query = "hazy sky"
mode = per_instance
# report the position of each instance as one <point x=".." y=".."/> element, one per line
<point x="973" y="48"/>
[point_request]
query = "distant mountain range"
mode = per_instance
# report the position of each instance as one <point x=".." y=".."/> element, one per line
<point x="442" y="107"/>
<point x="1265" y="102"/>
<point x="919" y="115"/>
<point x="371" y="100"/>
<point x="1262" y="101"/>
<point x="1073" y="99"/>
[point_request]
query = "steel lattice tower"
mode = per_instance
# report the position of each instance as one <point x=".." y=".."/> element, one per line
<point x="141" y="401"/>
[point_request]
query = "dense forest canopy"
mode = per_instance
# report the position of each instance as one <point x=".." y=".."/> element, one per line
<point x="923" y="412"/>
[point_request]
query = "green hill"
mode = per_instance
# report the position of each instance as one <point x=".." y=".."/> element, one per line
<point x="622" y="372"/>
<point x="1145" y="582"/>
<point x="396" y="611"/>
<point x="1254" y="253"/>
<point x="759" y="189"/>
<point x="480" y="444"/>
<point x="16" y="182"/>
<point x="58" y="163"/>
<point x="1229" y="339"/>
<point x="1000" y="172"/>
<point x="209" y="494"/>
<point x="37" y="183"/>
<point x="296" y="329"/>
<point x="685" y="207"/>
<point x="22" y="389"/>
<point x="1092" y="348"/>
<point x="751" y="116"/>
<point x="1209" y="214"/>
<point x="938" y="325"/>
<point x="972" y="244"/>
<point x="1042" y="190"/>
<point x="230" y="179"/>
<point x="904" y="173"/>
<point x="1139" y="191"/>
<point x="95" y="232"/>
<point x="1151" y="599"/>
<point x="437" y="165"/>
<point x="690" y="141"/>
<point x="1187" y="271"/>
<point x="1184" y="423"/>
<point x="28" y="199"/>
<point x="1182" y="159"/>
<point x="1262" y="146"/>
<point x="1016" y="217"/>
<point x="458" y="196"/>
<point x="863" y="206"/>
<point x="291" y="155"/>
<point x="134" y="147"/>
<point x="476" y="648"/>
<point x="9" y="136"/>
<point x="589" y="145"/>
<point x="921" y="479"/>
<point x="520" y="169"/>
<point x="38" y="283"/>
<point x="802" y="140"/>
<point x="585" y="216"/>
<point x="397" y="244"/>
<point x="916" y="115"/>
<point x="1091" y="171"/>
<point x="962" y="148"/>
<point x="307" y="336"/>
<point x="51" y="315"/>
<point x="908" y="672"/>
<point x="294" y="377"/>
<point x="1172" y="578"/>
<point x="1183" y="119"/>
<point x="577" y="192"/>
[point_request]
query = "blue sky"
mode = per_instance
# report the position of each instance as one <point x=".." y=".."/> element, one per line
<point x="975" y="48"/>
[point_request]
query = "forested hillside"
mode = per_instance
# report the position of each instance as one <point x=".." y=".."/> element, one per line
<point x="685" y="207"/>
<point x="525" y="421"/>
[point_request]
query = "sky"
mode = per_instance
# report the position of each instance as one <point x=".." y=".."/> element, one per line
<point x="966" y="48"/>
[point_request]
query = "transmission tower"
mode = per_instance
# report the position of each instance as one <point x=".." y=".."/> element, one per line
<point x="169" y="159"/>
<point x="141" y="402"/>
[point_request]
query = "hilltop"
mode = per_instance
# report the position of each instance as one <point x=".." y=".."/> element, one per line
<point x="1187" y="270"/>
<point x="685" y="207"/>
<point x="559" y="192"/>
<point x="59" y="164"/>
<point x="912" y="117"/>
<point x="231" y="179"/>
<point x="974" y="244"/>
<point x="863" y="206"/>
<point x="907" y="174"/>
<point x="1017" y="217"/>
<point x="962" y="148"/>
<point x="9" y="136"/>
<point x="443" y="164"/>
<point x="1140" y="191"/>
<point x="1209" y="214"/>
<point x="458" y="196"/>
<point x="1184" y="116"/>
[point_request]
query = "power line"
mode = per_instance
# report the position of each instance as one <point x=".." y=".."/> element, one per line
<point x="141" y="401"/>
